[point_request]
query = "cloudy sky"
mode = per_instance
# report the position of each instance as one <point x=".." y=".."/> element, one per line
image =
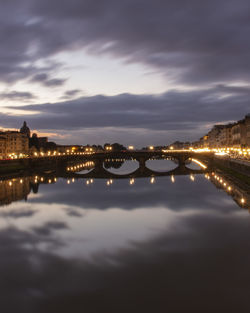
<point x="134" y="71"/>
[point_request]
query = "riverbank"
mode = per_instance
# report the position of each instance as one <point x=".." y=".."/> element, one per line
<point x="237" y="176"/>
<point x="237" y="167"/>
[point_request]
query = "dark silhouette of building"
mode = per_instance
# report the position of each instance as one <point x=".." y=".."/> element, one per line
<point x="25" y="129"/>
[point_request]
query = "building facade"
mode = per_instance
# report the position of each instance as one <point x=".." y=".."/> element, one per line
<point x="13" y="143"/>
<point x="235" y="135"/>
<point x="247" y="122"/>
<point x="239" y="134"/>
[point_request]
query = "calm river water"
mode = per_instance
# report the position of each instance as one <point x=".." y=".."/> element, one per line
<point x="168" y="245"/>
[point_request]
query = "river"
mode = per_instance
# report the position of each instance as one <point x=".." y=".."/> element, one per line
<point x="152" y="244"/>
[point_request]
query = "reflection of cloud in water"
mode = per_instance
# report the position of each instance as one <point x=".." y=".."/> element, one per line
<point x="35" y="196"/>
<point x="142" y="194"/>
<point x="155" y="247"/>
<point x="178" y="268"/>
<point x="91" y="231"/>
<point x="123" y="168"/>
<point x="161" y="165"/>
<point x="85" y="231"/>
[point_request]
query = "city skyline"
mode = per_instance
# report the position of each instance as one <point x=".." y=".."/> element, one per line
<point x="135" y="72"/>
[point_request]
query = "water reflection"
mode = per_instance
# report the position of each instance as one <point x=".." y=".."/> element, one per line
<point x="19" y="188"/>
<point x="148" y="244"/>
<point x="120" y="166"/>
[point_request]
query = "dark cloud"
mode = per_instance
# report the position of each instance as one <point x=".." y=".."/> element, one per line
<point x="40" y="77"/>
<point x="190" y="113"/>
<point x="54" y="82"/>
<point x="71" y="93"/>
<point x="17" y="95"/>
<point x="48" y="228"/>
<point x="191" y="42"/>
<point x="17" y="213"/>
<point x="44" y="79"/>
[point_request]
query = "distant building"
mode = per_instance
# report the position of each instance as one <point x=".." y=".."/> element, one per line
<point x="247" y="122"/>
<point x="231" y="135"/>
<point x="178" y="145"/>
<point x="239" y="134"/>
<point x="13" y="143"/>
<point x="25" y="129"/>
<point x="213" y="136"/>
<point x="38" y="142"/>
<point x="225" y="136"/>
<point x="2" y="146"/>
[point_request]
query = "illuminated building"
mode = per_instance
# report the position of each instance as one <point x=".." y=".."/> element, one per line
<point x="13" y="143"/>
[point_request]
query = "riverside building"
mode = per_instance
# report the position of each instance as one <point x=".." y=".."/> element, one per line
<point x="14" y="144"/>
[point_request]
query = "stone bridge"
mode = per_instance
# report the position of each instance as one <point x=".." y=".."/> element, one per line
<point x="62" y="161"/>
<point x="142" y="171"/>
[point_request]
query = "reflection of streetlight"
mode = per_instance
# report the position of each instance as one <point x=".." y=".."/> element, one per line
<point x="132" y="181"/>
<point x="192" y="177"/>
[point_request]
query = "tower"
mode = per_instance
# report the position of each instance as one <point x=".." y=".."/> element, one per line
<point x="25" y="129"/>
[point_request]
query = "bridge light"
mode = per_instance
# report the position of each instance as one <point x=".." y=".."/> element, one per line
<point x="131" y="147"/>
<point x="199" y="163"/>
<point x="151" y="147"/>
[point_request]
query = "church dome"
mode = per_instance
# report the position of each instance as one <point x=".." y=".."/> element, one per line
<point x="25" y="129"/>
